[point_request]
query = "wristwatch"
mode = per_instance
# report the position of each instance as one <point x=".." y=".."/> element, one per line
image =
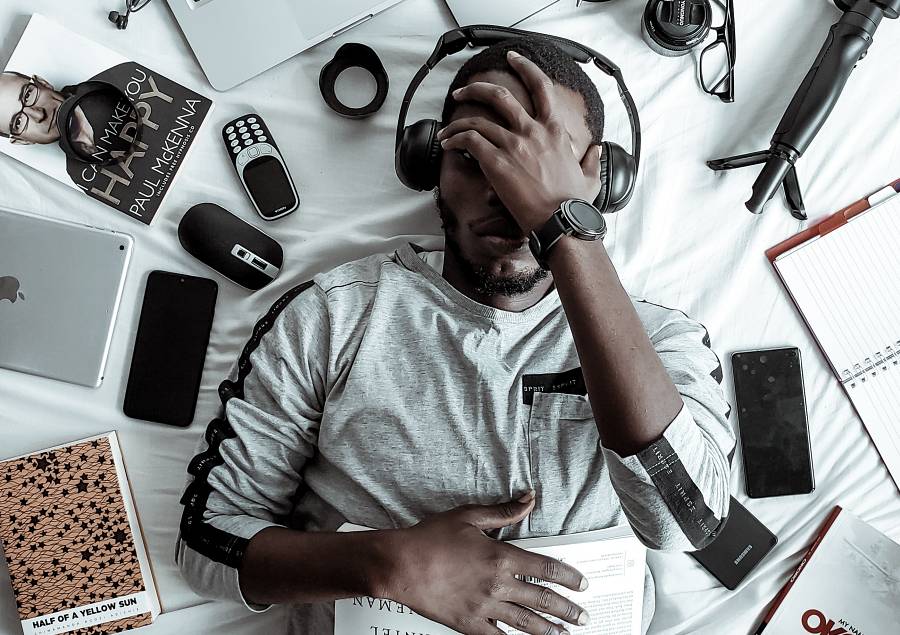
<point x="573" y="218"/>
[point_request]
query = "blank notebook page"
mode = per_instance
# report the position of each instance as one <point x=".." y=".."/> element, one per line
<point x="847" y="286"/>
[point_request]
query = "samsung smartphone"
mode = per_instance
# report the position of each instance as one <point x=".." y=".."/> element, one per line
<point x="771" y="408"/>
<point x="741" y="545"/>
<point x="170" y="348"/>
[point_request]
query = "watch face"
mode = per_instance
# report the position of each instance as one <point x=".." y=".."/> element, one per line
<point x="585" y="217"/>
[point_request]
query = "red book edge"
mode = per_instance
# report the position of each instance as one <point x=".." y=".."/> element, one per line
<point x="809" y="554"/>
<point x="826" y="225"/>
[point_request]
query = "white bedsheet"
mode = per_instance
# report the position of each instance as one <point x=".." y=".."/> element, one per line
<point x="685" y="241"/>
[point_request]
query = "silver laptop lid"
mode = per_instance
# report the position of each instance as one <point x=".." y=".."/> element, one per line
<point x="60" y="286"/>
<point x="499" y="12"/>
<point x="235" y="40"/>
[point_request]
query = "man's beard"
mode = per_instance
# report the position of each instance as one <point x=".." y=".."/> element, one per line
<point x="485" y="282"/>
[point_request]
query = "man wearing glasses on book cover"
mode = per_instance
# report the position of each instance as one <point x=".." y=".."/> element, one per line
<point x="28" y="113"/>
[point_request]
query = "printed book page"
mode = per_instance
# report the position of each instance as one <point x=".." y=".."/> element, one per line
<point x="612" y="559"/>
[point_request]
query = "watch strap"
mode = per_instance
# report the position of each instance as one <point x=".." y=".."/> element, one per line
<point x="547" y="235"/>
<point x="555" y="228"/>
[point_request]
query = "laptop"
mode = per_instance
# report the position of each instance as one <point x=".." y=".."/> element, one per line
<point x="235" y="40"/>
<point x="60" y="288"/>
<point x="498" y="12"/>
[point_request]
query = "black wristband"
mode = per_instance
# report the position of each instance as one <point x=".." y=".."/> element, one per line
<point x="352" y="55"/>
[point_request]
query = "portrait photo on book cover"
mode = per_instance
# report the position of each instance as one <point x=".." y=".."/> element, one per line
<point x="92" y="123"/>
<point x="29" y="112"/>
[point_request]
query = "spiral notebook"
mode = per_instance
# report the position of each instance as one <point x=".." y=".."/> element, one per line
<point x="844" y="276"/>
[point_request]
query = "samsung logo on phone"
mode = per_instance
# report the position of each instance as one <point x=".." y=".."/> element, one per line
<point x="743" y="554"/>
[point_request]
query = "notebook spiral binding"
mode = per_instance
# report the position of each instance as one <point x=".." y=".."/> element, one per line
<point x="870" y="367"/>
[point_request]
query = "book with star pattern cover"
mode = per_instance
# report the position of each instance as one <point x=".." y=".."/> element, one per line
<point x="72" y="541"/>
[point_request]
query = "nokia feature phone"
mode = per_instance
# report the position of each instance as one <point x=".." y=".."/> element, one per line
<point x="260" y="166"/>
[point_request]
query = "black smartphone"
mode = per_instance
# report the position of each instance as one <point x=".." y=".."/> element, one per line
<point x="170" y="348"/>
<point x="740" y="545"/>
<point x="771" y="409"/>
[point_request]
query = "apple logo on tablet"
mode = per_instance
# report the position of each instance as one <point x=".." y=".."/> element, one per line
<point x="9" y="289"/>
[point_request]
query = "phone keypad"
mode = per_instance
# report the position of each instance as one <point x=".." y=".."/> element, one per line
<point x="244" y="134"/>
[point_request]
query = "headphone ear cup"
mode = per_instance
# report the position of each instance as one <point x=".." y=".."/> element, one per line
<point x="601" y="201"/>
<point x="417" y="160"/>
<point x="617" y="175"/>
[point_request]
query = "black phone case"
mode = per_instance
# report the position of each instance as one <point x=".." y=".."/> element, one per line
<point x="779" y="480"/>
<point x="740" y="545"/>
<point x="170" y="348"/>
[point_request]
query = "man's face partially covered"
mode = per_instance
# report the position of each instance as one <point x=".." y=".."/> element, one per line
<point x="481" y="234"/>
<point x="34" y="103"/>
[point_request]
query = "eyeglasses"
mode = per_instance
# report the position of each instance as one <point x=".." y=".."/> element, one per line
<point x="717" y="59"/>
<point x="28" y="97"/>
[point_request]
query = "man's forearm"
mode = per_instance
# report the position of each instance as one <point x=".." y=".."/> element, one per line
<point x="289" y="566"/>
<point x="632" y="395"/>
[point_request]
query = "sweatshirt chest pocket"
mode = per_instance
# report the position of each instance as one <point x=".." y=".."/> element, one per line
<point x="567" y="466"/>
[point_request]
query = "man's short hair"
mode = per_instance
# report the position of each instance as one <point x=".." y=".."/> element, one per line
<point x="558" y="66"/>
<point x="3" y="134"/>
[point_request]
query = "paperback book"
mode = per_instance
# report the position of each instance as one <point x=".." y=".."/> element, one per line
<point x="72" y="541"/>
<point x="45" y="69"/>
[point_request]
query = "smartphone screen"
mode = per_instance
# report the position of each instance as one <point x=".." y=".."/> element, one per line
<point x="170" y="348"/>
<point x="771" y="407"/>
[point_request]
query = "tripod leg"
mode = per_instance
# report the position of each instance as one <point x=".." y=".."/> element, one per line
<point x="739" y="161"/>
<point x="793" y="196"/>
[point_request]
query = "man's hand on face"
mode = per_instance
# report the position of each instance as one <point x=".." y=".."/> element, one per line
<point x="529" y="162"/>
<point x="448" y="570"/>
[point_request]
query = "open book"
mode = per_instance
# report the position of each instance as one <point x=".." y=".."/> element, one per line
<point x="612" y="559"/>
<point x="71" y="537"/>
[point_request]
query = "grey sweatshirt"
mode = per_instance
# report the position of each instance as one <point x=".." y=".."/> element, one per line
<point x="378" y="394"/>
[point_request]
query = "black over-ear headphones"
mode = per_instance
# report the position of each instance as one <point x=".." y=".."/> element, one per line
<point x="100" y="102"/>
<point x="417" y="151"/>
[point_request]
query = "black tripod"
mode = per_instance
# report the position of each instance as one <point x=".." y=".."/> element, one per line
<point x="847" y="43"/>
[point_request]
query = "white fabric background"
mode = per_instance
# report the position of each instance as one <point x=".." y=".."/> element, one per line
<point x="685" y="241"/>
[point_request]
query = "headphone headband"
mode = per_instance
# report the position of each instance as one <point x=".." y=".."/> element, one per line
<point x="77" y="96"/>
<point x="483" y="35"/>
